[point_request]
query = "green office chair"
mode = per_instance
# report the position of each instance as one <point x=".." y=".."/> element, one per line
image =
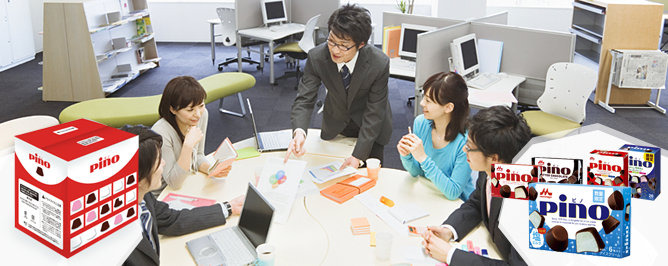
<point x="562" y="105"/>
<point x="299" y="50"/>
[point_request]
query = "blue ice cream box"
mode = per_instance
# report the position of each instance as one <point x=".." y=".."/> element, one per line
<point x="581" y="219"/>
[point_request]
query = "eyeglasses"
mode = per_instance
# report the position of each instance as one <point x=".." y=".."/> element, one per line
<point x="468" y="148"/>
<point x="339" y="46"/>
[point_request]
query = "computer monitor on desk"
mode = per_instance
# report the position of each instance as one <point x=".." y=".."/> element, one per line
<point x="273" y="11"/>
<point x="465" y="55"/>
<point x="408" y="39"/>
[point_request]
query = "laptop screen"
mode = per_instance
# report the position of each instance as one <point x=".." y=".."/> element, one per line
<point x="256" y="217"/>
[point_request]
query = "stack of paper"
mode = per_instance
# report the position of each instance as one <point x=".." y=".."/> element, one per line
<point x="360" y="226"/>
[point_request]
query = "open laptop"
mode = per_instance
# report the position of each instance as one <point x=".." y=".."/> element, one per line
<point x="270" y="141"/>
<point x="236" y="245"/>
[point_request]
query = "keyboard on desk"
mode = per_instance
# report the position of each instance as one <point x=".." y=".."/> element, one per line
<point x="233" y="248"/>
<point x="286" y="27"/>
<point x="484" y="80"/>
<point x="402" y="64"/>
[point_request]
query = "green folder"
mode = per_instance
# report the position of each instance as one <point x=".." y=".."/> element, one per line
<point x="248" y="152"/>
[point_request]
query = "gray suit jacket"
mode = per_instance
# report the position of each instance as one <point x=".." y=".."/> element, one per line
<point x="365" y="103"/>
<point x="469" y="215"/>
<point x="172" y="223"/>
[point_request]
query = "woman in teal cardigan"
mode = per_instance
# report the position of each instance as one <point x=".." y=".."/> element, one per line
<point x="434" y="148"/>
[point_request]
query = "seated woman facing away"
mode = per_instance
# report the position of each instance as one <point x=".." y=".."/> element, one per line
<point x="434" y="148"/>
<point x="156" y="217"/>
<point x="183" y="127"/>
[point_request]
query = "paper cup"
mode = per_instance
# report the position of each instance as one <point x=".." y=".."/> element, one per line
<point x="372" y="167"/>
<point x="265" y="255"/>
<point x="383" y="245"/>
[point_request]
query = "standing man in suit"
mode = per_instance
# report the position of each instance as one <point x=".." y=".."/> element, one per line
<point x="496" y="135"/>
<point x="355" y="76"/>
<point x="155" y="216"/>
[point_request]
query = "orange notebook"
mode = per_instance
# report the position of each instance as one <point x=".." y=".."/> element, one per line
<point x="346" y="189"/>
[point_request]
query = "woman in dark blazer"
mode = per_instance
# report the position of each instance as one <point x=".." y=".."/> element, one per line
<point x="157" y="216"/>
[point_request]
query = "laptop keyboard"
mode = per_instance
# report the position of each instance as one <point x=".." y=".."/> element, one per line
<point x="275" y="140"/>
<point x="483" y="80"/>
<point x="232" y="247"/>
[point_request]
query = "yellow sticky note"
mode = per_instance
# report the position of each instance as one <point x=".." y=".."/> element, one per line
<point x="372" y="239"/>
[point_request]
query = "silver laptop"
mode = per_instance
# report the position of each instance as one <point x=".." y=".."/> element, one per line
<point x="236" y="245"/>
<point x="270" y="141"/>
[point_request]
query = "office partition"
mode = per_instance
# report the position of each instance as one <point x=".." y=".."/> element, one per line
<point x="249" y="13"/>
<point x="526" y="52"/>
<point x="395" y="19"/>
<point x="303" y="10"/>
<point x="497" y="18"/>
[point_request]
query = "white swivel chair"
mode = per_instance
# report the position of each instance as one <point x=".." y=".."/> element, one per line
<point x="299" y="50"/>
<point x="228" y="24"/>
<point x="562" y="105"/>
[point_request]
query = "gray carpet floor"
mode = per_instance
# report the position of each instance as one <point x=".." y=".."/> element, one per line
<point x="271" y="104"/>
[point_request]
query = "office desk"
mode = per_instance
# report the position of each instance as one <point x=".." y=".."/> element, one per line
<point x="648" y="238"/>
<point x="266" y="35"/>
<point x="318" y="223"/>
<point x="19" y="247"/>
<point x="503" y="92"/>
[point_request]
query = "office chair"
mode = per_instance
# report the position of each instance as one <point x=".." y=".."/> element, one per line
<point x="299" y="50"/>
<point x="562" y="105"/>
<point x="228" y="24"/>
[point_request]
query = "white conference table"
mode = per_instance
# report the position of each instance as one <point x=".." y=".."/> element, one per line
<point x="265" y="34"/>
<point x="648" y="238"/>
<point x="318" y="230"/>
<point x="19" y="248"/>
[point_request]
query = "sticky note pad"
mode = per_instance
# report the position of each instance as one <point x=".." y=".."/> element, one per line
<point x="465" y="248"/>
<point x="248" y="152"/>
<point x="372" y="239"/>
<point x="484" y="252"/>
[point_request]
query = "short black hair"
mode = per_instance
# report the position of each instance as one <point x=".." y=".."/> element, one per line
<point x="498" y="130"/>
<point x="351" y="21"/>
<point x="149" y="152"/>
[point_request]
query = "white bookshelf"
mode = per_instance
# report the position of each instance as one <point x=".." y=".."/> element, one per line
<point x="92" y="48"/>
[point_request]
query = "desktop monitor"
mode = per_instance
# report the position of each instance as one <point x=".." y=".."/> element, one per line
<point x="273" y="11"/>
<point x="465" y="54"/>
<point x="408" y="40"/>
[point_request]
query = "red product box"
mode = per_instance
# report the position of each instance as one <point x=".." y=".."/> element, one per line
<point x="608" y="168"/>
<point x="76" y="183"/>
<point x="512" y="180"/>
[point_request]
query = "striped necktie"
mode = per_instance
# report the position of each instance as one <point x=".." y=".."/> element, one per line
<point x="146" y="222"/>
<point x="345" y="75"/>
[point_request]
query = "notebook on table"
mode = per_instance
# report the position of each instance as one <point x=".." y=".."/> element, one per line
<point x="270" y="141"/>
<point x="236" y="245"/>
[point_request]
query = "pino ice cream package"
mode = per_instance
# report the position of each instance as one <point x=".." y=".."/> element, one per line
<point x="644" y="171"/>
<point x="559" y="170"/>
<point x="512" y="180"/>
<point x="76" y="183"/>
<point x="582" y="219"/>
<point x="608" y="168"/>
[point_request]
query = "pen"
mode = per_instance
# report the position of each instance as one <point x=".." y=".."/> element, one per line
<point x="410" y="131"/>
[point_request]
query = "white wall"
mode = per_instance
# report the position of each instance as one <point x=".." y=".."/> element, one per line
<point x="459" y="9"/>
<point x="546" y="18"/>
<point x="175" y="21"/>
<point x="37" y="16"/>
<point x="183" y="22"/>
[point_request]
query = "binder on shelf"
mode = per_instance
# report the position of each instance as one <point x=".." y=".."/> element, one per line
<point x="346" y="189"/>
<point x="391" y="39"/>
